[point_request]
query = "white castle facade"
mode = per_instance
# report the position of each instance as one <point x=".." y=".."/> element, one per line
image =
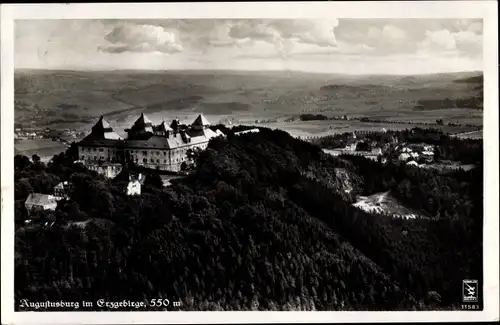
<point x="163" y="147"/>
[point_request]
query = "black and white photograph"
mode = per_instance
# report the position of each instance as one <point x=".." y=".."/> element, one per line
<point x="252" y="164"/>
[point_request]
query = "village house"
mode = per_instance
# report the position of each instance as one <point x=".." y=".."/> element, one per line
<point x="61" y="190"/>
<point x="37" y="202"/>
<point x="162" y="147"/>
<point x="135" y="184"/>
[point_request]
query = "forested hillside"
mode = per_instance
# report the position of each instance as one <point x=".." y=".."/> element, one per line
<point x="263" y="223"/>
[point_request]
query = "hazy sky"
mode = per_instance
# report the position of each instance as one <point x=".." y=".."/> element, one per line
<point x="358" y="46"/>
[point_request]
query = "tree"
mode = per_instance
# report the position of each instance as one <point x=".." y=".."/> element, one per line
<point x="154" y="179"/>
<point x="21" y="162"/>
<point x="35" y="158"/>
<point x="363" y="146"/>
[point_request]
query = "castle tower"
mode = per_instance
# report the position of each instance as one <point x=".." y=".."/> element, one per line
<point x="142" y="127"/>
<point x="103" y="130"/>
<point x="200" y="123"/>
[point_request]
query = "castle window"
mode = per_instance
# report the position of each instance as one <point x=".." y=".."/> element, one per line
<point x="158" y="161"/>
<point x="95" y="157"/>
<point x="164" y="153"/>
<point x="101" y="150"/>
<point x="145" y="160"/>
<point x="83" y="157"/>
<point x="152" y="160"/>
<point x="145" y="153"/>
<point x="95" y="149"/>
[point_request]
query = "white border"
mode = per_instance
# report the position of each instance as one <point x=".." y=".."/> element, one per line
<point x="437" y="9"/>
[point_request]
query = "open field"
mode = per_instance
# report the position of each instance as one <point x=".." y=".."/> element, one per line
<point x="384" y="203"/>
<point x="71" y="99"/>
<point x="449" y="166"/>
<point x="44" y="148"/>
<point x="322" y="128"/>
<point x="470" y="135"/>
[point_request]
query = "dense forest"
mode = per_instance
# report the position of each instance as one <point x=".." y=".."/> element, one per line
<point x="263" y="222"/>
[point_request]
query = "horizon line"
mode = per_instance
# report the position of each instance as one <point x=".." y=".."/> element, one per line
<point x="243" y="71"/>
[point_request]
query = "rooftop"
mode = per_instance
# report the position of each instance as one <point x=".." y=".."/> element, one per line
<point x="40" y="199"/>
<point x="190" y="136"/>
<point x="201" y="121"/>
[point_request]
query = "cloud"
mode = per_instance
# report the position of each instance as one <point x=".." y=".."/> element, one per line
<point x="141" y="38"/>
<point x="238" y="43"/>
<point x="441" y="40"/>
<point x="465" y="41"/>
<point x="286" y="33"/>
<point x="387" y="33"/>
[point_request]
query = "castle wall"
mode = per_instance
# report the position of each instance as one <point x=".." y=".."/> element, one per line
<point x="166" y="159"/>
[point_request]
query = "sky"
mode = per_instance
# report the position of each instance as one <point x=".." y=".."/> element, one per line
<point x="353" y="46"/>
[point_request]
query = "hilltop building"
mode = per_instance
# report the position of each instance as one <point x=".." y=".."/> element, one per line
<point x="162" y="146"/>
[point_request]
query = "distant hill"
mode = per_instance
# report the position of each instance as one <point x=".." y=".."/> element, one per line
<point x="74" y="98"/>
<point x="473" y="80"/>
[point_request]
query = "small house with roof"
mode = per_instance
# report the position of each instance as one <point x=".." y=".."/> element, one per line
<point x="61" y="190"/>
<point x="135" y="183"/>
<point x="37" y="202"/>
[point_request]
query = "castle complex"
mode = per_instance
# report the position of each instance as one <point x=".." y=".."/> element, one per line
<point x="162" y="146"/>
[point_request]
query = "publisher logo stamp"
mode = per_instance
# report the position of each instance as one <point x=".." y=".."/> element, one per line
<point x="470" y="291"/>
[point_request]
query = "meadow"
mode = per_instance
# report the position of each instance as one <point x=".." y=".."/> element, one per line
<point x="322" y="128"/>
<point x="44" y="148"/>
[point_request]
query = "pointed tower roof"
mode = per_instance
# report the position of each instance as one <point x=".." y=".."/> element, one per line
<point x="201" y="121"/>
<point x="142" y="122"/>
<point x="142" y="125"/>
<point x="102" y="126"/>
<point x="102" y="129"/>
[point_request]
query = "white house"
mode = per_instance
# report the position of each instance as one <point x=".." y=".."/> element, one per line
<point x="134" y="185"/>
<point x="40" y="202"/>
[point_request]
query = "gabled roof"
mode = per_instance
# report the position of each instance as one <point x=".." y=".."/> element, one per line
<point x="62" y="185"/>
<point x="141" y="178"/>
<point x="40" y="199"/>
<point x="201" y="121"/>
